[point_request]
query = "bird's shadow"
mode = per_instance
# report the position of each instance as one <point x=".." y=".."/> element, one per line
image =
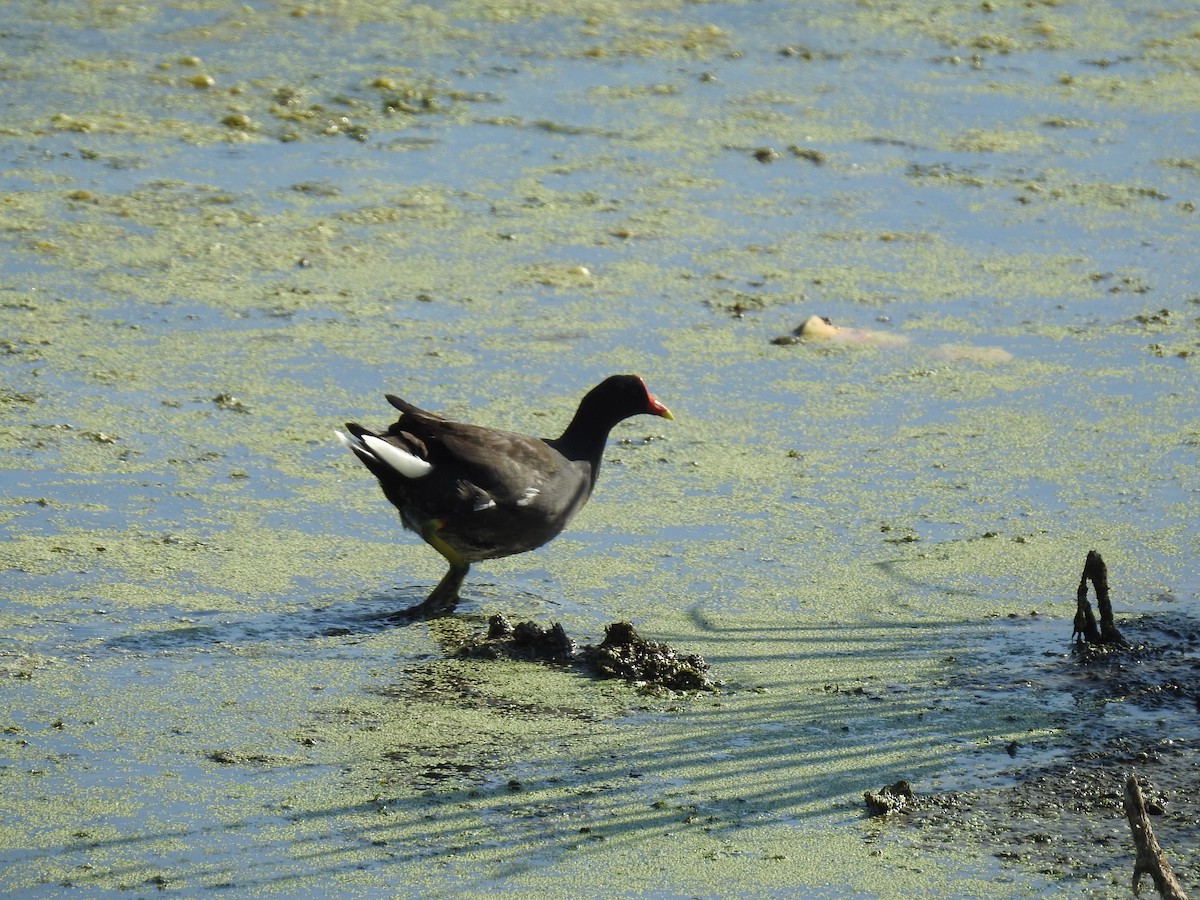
<point x="354" y="620"/>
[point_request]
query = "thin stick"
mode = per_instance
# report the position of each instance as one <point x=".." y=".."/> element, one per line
<point x="1150" y="860"/>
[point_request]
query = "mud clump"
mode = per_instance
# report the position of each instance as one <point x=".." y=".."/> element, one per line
<point x="623" y="653"/>
<point x="890" y="799"/>
<point x="525" y="641"/>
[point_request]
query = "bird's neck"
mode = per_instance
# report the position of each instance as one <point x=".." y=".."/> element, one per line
<point x="584" y="441"/>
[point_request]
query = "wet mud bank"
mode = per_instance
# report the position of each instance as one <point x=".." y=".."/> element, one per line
<point x="1127" y="708"/>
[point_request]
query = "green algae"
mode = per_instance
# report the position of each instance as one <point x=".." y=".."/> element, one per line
<point x="829" y="528"/>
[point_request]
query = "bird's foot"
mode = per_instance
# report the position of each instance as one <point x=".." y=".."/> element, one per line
<point x="443" y="599"/>
<point x="429" y="608"/>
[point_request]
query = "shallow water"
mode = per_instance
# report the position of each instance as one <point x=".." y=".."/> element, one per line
<point x="486" y="209"/>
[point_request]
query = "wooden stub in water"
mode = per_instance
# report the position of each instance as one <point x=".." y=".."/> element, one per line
<point x="1086" y="628"/>
<point x="1150" y="860"/>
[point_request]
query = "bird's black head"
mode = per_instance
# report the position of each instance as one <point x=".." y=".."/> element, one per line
<point x="613" y="400"/>
<point x="620" y="396"/>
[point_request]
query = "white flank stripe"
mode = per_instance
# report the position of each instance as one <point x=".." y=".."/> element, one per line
<point x="401" y="460"/>
<point x="348" y="442"/>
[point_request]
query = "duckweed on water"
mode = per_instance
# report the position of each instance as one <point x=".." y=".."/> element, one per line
<point x="228" y="231"/>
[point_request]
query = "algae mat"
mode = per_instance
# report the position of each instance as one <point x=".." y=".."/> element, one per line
<point x="227" y="230"/>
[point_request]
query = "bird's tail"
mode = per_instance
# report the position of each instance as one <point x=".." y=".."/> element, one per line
<point x="381" y="455"/>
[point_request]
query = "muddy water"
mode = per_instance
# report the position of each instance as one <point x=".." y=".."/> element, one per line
<point x="226" y="231"/>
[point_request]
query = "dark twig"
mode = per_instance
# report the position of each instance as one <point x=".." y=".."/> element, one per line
<point x="1085" y="622"/>
<point x="1150" y="860"/>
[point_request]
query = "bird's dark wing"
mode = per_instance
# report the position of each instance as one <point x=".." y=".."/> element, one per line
<point x="491" y="466"/>
<point x="510" y="467"/>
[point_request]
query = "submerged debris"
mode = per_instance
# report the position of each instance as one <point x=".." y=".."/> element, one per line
<point x="239" y="758"/>
<point x="622" y="654"/>
<point x="822" y="329"/>
<point x="971" y="354"/>
<point x="230" y="402"/>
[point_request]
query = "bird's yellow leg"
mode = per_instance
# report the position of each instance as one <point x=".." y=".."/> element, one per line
<point x="444" y="597"/>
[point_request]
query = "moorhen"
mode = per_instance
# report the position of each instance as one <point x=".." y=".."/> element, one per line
<point x="477" y="493"/>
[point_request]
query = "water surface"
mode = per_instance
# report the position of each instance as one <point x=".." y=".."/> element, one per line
<point x="228" y="231"/>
